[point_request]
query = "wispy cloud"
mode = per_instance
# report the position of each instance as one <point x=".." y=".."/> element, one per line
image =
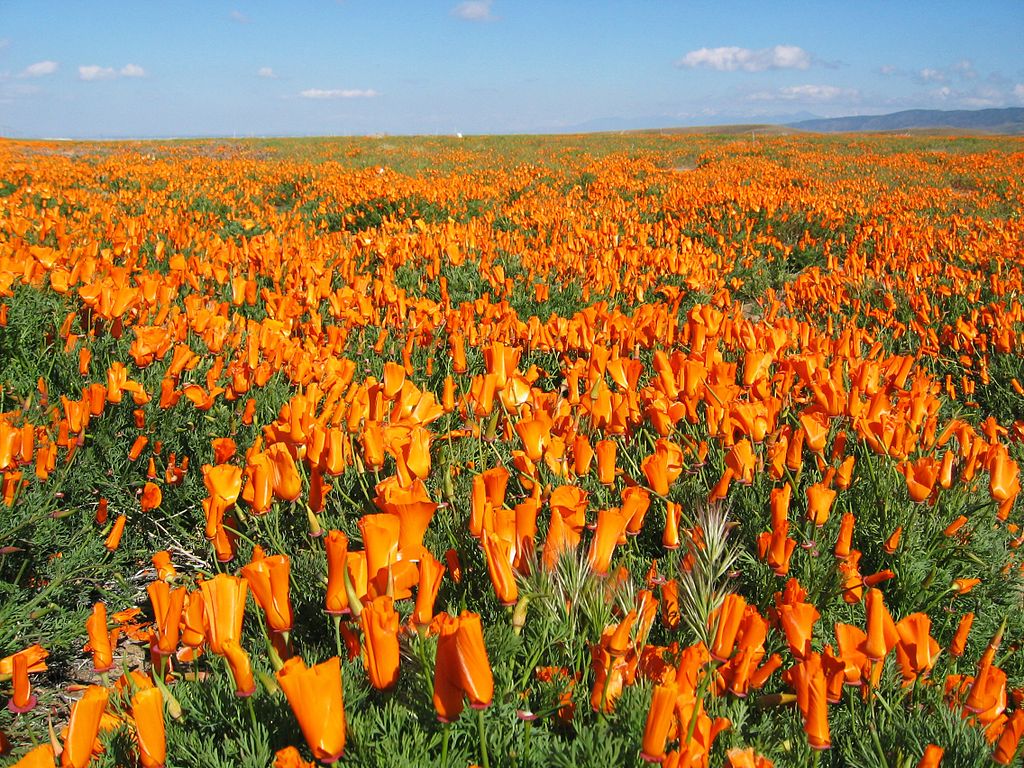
<point x="733" y="58"/>
<point x="239" y="18"/>
<point x="267" y="72"/>
<point x="1018" y="91"/>
<point x="40" y="69"/>
<point x="96" y="72"/>
<point x="474" y="10"/>
<point x="807" y="93"/>
<point x="931" y="75"/>
<point x="338" y="93"/>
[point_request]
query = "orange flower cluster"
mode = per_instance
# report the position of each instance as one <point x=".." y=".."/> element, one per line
<point x="563" y="375"/>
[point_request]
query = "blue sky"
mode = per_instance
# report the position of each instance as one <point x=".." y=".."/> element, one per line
<point x="313" y="67"/>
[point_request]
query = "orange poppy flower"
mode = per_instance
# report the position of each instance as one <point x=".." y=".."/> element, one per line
<point x="148" y="712"/>
<point x="224" y="606"/>
<point x="963" y="629"/>
<point x="336" y="546"/>
<point x="611" y="527"/>
<point x="462" y="668"/>
<point x="843" y="541"/>
<point x="114" y="537"/>
<point x="380" y="641"/>
<point x="431" y="574"/>
<point x="606" y="450"/>
<point x="268" y="580"/>
<point x="499" y="554"/>
<point x="241" y="669"/>
<point x="819" y="502"/>
<point x="1009" y="740"/>
<point x="99" y="639"/>
<point x="22" y="699"/>
<point x="316" y="698"/>
<point x="797" y="619"/>
<point x="83" y="727"/>
<point x="881" y="629"/>
<point x="41" y="756"/>
<point x="167" y="608"/>
<point x="635" y="503"/>
<point x="660" y="718"/>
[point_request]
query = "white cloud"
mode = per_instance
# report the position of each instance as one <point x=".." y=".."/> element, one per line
<point x="39" y="69"/>
<point x="807" y="93"/>
<point x="965" y="69"/>
<point x="96" y="72"/>
<point x="733" y="58"/>
<point x="473" y="10"/>
<point x="889" y="70"/>
<point x="338" y="93"/>
<point x="1018" y="91"/>
<point x="931" y="75"/>
<point x="267" y="72"/>
<point x="239" y="17"/>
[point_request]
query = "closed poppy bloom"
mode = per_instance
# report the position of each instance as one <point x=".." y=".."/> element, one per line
<point x="380" y="641"/>
<point x="336" y="544"/>
<point x="611" y="528"/>
<point x="477" y="679"/>
<point x="167" y="605"/>
<point x="845" y="538"/>
<point x="659" y="719"/>
<point x="268" y="580"/>
<point x="148" y="712"/>
<point x="582" y="455"/>
<point x="193" y="629"/>
<point x="114" y="537"/>
<point x="727" y="624"/>
<point x="635" y="503"/>
<point x="431" y="573"/>
<point x="893" y="542"/>
<point x="99" y="638"/>
<point x="224" y="606"/>
<point x="819" y="502"/>
<point x="83" y="727"/>
<point x="956" y="647"/>
<point x="798" y="625"/>
<point x="881" y="629"/>
<point x="22" y="698"/>
<point x="962" y="586"/>
<point x="448" y="693"/>
<point x="606" y="450"/>
<point x="241" y="668"/>
<point x="316" y="698"/>
<point x="498" y="553"/>
<point x="1009" y="739"/>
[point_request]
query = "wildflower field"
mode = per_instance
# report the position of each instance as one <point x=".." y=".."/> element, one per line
<point x="700" y="450"/>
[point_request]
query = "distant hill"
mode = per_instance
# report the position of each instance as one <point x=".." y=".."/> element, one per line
<point x="1006" y="121"/>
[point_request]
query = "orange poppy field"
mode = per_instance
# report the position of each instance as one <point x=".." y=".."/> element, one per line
<point x="688" y="449"/>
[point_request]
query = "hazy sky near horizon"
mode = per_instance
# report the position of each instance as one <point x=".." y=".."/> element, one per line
<point x="109" y="68"/>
